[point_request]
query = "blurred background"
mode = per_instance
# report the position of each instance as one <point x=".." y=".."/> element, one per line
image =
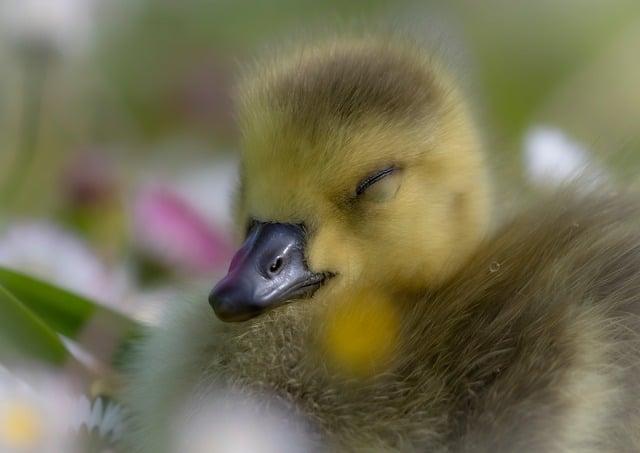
<point x="117" y="137"/>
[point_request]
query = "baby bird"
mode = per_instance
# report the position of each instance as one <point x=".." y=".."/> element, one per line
<point x="372" y="298"/>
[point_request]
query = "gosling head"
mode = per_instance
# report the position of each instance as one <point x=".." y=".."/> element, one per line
<point x="360" y="168"/>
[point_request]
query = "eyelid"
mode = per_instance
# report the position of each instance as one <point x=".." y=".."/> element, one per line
<point x="370" y="180"/>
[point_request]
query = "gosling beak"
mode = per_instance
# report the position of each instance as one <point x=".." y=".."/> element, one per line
<point x="267" y="271"/>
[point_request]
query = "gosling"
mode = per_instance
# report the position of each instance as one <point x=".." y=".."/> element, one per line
<point x="372" y="297"/>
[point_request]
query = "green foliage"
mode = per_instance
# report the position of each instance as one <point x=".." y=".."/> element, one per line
<point x="25" y="335"/>
<point x="35" y="312"/>
<point x="66" y="312"/>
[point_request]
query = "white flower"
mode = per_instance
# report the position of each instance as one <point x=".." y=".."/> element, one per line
<point x="57" y="256"/>
<point x="551" y="158"/>
<point x="34" y="413"/>
<point x="40" y="413"/>
<point x="229" y="423"/>
<point x="100" y="417"/>
<point x="60" y="25"/>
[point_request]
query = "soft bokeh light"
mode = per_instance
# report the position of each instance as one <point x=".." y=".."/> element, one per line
<point x="230" y="423"/>
<point x="62" y="25"/>
<point x="551" y="158"/>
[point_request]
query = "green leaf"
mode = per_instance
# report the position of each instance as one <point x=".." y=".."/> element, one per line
<point x="65" y="312"/>
<point x="23" y="333"/>
<point x="99" y="329"/>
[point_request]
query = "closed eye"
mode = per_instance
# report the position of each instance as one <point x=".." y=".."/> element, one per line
<point x="374" y="178"/>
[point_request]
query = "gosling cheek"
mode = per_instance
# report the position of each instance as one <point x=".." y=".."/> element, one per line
<point x="333" y="250"/>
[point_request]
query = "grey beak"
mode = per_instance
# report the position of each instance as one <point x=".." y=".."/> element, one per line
<point x="267" y="271"/>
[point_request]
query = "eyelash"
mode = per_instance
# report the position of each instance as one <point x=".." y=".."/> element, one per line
<point x="371" y="180"/>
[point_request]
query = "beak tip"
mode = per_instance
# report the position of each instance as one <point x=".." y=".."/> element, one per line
<point x="229" y="310"/>
<point x="221" y="308"/>
<point x="213" y="302"/>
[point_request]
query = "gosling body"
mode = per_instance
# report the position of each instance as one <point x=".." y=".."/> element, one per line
<point x="521" y="338"/>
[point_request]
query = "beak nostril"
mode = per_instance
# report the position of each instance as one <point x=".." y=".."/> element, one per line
<point x="276" y="266"/>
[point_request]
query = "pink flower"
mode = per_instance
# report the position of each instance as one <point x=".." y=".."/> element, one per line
<point x="167" y="227"/>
